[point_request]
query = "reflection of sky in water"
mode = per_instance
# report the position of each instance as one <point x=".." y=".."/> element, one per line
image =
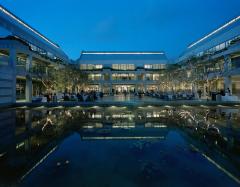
<point x="119" y="146"/>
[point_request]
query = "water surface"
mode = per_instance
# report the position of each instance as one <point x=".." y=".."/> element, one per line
<point x="120" y="146"/>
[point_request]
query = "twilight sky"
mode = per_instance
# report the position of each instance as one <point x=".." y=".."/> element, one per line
<point x="124" y="25"/>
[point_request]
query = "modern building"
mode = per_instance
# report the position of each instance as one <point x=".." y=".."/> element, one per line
<point x="26" y="59"/>
<point x="30" y="64"/>
<point x="123" y="71"/>
<point x="214" y="59"/>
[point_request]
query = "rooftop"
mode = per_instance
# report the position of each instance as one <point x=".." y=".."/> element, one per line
<point x="18" y="28"/>
<point x="215" y="32"/>
<point x="123" y="57"/>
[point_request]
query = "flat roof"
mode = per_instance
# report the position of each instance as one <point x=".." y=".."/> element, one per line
<point x="214" y="32"/>
<point x="24" y="24"/>
<point x="25" y="32"/>
<point x="124" y="57"/>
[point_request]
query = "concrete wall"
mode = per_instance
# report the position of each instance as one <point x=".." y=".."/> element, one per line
<point x="7" y="85"/>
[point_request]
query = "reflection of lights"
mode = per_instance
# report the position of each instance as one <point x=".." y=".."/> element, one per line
<point x="98" y="125"/>
<point x="222" y="106"/>
<point x="123" y="125"/>
<point x="40" y="107"/>
<point x="20" y="145"/>
<point x="124" y="138"/>
<point x="152" y="125"/>
<point x="37" y="164"/>
<point x="91" y="126"/>
<point x="167" y="106"/>
<point x="123" y="116"/>
<point x="2" y="154"/>
<point x="203" y="106"/>
<point x="218" y="166"/>
<point x="88" y="126"/>
<point x="155" y="115"/>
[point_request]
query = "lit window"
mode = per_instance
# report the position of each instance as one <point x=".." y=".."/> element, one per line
<point x="123" y="67"/>
<point x="90" y="67"/>
<point x="155" y="66"/>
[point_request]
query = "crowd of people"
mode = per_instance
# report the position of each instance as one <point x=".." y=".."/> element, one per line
<point x="171" y="96"/>
<point x="82" y="96"/>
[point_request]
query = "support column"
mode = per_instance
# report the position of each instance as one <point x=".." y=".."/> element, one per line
<point x="205" y="90"/>
<point x="194" y="90"/>
<point x="227" y="79"/>
<point x="12" y="64"/>
<point x="227" y="63"/>
<point x="145" y="87"/>
<point x="228" y="84"/>
<point x="29" y="79"/>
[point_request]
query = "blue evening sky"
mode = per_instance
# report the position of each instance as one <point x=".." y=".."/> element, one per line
<point x="124" y="25"/>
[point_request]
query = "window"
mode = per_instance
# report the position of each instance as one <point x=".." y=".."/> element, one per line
<point x="123" y="67"/>
<point x="123" y="76"/>
<point x="152" y="77"/>
<point x="94" y="77"/>
<point x="155" y="66"/>
<point x="91" y="67"/>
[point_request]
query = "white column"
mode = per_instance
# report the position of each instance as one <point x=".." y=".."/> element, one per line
<point x="194" y="90"/>
<point x="111" y="87"/>
<point x="28" y="90"/>
<point x="204" y="89"/>
<point x="227" y="63"/>
<point x="12" y="65"/>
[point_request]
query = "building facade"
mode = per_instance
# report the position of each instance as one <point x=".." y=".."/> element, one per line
<point x="30" y="64"/>
<point x="27" y="59"/>
<point x="118" y="72"/>
<point x="214" y="60"/>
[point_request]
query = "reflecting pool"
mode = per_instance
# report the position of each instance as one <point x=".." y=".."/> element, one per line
<point x="120" y="146"/>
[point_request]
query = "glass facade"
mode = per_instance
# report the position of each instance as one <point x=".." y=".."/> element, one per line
<point x="123" y="76"/>
<point x="94" y="77"/>
<point x="220" y="47"/>
<point x="152" y="77"/>
<point x="155" y="66"/>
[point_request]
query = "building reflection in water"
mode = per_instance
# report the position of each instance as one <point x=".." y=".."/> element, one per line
<point x="28" y="136"/>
